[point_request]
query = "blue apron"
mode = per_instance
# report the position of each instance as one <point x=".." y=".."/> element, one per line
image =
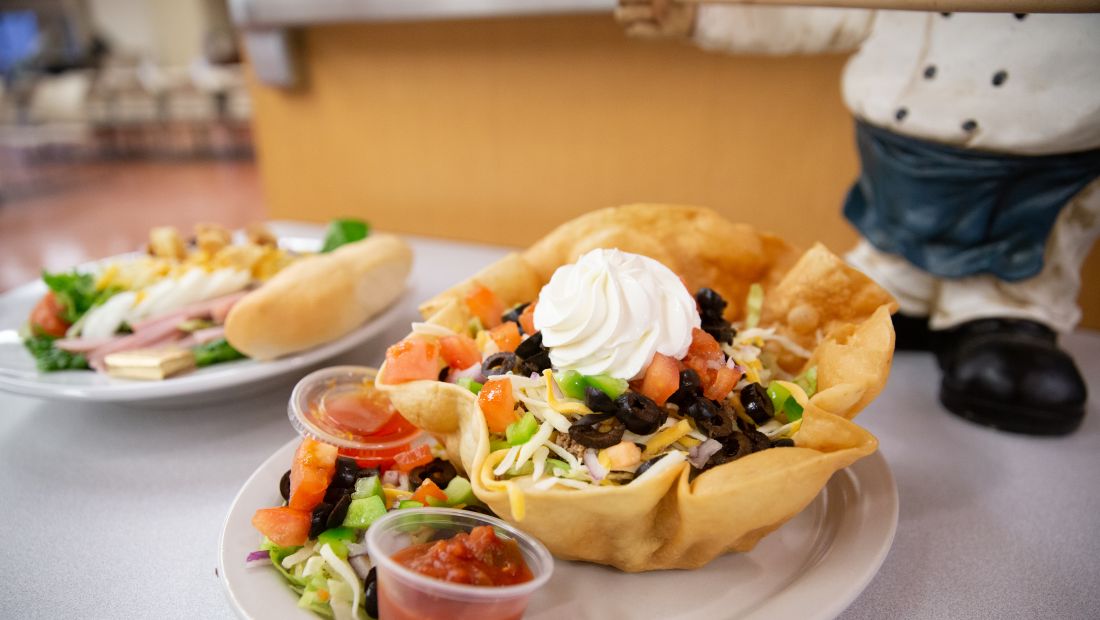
<point x="955" y="212"/>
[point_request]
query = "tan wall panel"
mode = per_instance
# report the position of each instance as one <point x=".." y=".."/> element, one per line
<point x="498" y="130"/>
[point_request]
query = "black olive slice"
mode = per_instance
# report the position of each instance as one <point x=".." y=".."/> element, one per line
<point x="640" y="414"/>
<point x="757" y="404"/>
<point x="599" y="435"/>
<point x="759" y="440"/>
<point x="346" y="472"/>
<point x="500" y="363"/>
<point x="443" y="372"/>
<point x="690" y="389"/>
<point x="367" y="472"/>
<point x="335" y="493"/>
<point x="785" y="442"/>
<point x="284" y="486"/>
<point x="319" y="519"/>
<point x="644" y="466"/>
<point x="712" y="419"/>
<point x="539" y="362"/>
<point x="338" y="512"/>
<point x="370" y="593"/>
<point x="592" y="418"/>
<point x="736" y="445"/>
<point x="598" y="400"/>
<point x="711" y="304"/>
<point x="514" y="314"/>
<point x="531" y="346"/>
<point x="438" y="471"/>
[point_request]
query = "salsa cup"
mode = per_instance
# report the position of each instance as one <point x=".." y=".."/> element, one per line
<point x="340" y="406"/>
<point x="404" y="594"/>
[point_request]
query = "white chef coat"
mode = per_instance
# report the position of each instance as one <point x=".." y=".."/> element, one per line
<point x="1021" y="84"/>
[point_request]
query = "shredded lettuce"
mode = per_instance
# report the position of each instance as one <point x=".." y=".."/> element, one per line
<point x="754" y="304"/>
<point x="49" y="358"/>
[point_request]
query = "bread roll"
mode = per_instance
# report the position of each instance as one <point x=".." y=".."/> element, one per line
<point x="319" y="298"/>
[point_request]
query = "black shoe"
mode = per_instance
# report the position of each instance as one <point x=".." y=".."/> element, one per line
<point x="911" y="333"/>
<point x="1010" y="374"/>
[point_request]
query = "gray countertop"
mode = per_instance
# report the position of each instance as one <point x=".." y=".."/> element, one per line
<point x="115" y="512"/>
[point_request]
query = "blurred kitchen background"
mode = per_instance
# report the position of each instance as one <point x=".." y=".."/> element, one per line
<point x="489" y="121"/>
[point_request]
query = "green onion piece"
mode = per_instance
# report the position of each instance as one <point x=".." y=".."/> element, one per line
<point x="521" y="431"/>
<point x="469" y="384"/>
<point x="343" y="232"/>
<point x="754" y="303"/>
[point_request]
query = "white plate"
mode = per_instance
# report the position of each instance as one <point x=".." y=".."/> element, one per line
<point x="812" y="567"/>
<point x="19" y="375"/>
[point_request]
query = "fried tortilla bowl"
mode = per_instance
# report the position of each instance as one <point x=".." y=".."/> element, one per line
<point x="665" y="518"/>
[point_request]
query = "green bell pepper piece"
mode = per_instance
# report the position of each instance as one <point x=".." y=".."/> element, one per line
<point x="572" y="384"/>
<point x="459" y="491"/>
<point x="367" y="487"/>
<point x="409" y="503"/>
<point x="337" y="538"/>
<point x="469" y="384"/>
<point x="521" y="431"/>
<point x="784" y="402"/>
<point x="498" y="444"/>
<point x="363" y="512"/>
<point x="608" y="385"/>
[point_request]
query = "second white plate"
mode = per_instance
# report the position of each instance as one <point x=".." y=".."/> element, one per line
<point x="812" y="567"/>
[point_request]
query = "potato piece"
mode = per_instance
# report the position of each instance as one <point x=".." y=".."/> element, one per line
<point x="165" y="242"/>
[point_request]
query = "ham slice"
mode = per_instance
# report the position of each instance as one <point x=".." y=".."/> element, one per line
<point x="82" y="345"/>
<point x="153" y="336"/>
<point x="210" y="307"/>
<point x="203" y="336"/>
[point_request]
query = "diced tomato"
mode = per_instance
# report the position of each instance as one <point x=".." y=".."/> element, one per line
<point x="485" y="305"/>
<point x="527" y="319"/>
<point x="497" y="404"/>
<point x="310" y="472"/>
<point x="459" y="351"/>
<point x="412" y="359"/>
<point x="429" y="489"/>
<point x="407" y="460"/>
<point x="661" y="379"/>
<point x="724" y="380"/>
<point x="285" y="526"/>
<point x="46" y="317"/>
<point x="506" y="335"/>
<point x="705" y="357"/>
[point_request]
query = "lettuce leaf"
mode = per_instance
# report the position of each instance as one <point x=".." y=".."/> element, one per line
<point x="342" y="232"/>
<point x="49" y="358"/>
<point x="76" y="292"/>
<point x="215" y="352"/>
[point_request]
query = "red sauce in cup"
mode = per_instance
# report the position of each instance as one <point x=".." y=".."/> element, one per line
<point x="480" y="558"/>
<point x="341" y="406"/>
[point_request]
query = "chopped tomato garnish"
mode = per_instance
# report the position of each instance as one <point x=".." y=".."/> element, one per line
<point x="429" y="489"/>
<point x="46" y="317"/>
<point x="497" y="404"/>
<point x="485" y="305"/>
<point x="506" y="335"/>
<point x="285" y="526"/>
<point x="661" y="379"/>
<point x="415" y="457"/>
<point x="310" y="472"/>
<point x="412" y="359"/>
<point x="527" y="319"/>
<point x="459" y="351"/>
<point x="705" y="357"/>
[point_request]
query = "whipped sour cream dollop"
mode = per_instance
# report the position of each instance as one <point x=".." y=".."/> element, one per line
<point x="611" y="311"/>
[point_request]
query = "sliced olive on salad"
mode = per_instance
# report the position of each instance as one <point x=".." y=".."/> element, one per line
<point x="640" y="414"/>
<point x="600" y="431"/>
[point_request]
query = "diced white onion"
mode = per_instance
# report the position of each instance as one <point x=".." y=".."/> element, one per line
<point x="298" y="556"/>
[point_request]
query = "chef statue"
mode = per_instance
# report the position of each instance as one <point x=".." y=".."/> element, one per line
<point x="979" y="194"/>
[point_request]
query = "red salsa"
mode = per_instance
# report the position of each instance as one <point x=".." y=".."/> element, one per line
<point x="364" y="414"/>
<point x="479" y="558"/>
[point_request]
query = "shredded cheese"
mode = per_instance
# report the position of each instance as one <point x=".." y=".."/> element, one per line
<point x="567" y="407"/>
<point x="665" y="438"/>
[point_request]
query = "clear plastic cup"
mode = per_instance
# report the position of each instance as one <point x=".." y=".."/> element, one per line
<point x="323" y="407"/>
<point x="404" y="594"/>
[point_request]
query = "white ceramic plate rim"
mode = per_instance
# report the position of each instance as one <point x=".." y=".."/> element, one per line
<point x="861" y="535"/>
<point x="100" y="388"/>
